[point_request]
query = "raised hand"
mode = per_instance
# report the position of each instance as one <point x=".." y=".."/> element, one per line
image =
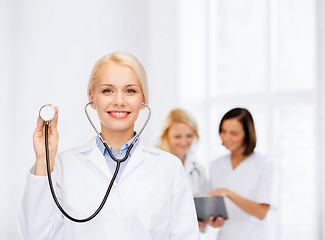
<point x="39" y="144"/>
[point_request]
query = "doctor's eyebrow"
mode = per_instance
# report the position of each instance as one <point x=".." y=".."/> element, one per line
<point x="111" y="85"/>
<point x="106" y="85"/>
<point x="132" y="85"/>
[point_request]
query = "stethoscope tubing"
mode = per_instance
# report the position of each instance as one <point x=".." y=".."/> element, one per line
<point x="53" y="192"/>
<point x="195" y="169"/>
<point x="105" y="143"/>
<point x="118" y="163"/>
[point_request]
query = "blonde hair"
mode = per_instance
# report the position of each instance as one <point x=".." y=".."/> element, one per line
<point x="176" y="116"/>
<point x="125" y="59"/>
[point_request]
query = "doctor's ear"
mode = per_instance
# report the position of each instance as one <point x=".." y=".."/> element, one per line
<point x="144" y="105"/>
<point x="143" y="102"/>
<point x="91" y="99"/>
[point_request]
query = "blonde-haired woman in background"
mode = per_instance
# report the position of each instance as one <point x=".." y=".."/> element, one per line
<point x="179" y="132"/>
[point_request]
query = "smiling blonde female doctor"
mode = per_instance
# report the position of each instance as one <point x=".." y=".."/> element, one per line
<point x="150" y="199"/>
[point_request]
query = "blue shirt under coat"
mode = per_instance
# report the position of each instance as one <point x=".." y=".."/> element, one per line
<point x="110" y="162"/>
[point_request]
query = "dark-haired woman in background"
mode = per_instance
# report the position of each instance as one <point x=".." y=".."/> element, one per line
<point x="244" y="178"/>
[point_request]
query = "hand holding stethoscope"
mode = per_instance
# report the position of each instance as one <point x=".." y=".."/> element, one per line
<point x="39" y="139"/>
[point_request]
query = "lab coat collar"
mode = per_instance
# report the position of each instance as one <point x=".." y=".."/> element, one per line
<point x="97" y="158"/>
<point x="189" y="160"/>
<point x="136" y="159"/>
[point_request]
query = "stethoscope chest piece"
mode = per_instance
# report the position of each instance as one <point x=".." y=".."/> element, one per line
<point x="47" y="113"/>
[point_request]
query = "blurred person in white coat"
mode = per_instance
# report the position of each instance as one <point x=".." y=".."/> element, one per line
<point x="178" y="135"/>
<point x="150" y="198"/>
<point x="244" y="177"/>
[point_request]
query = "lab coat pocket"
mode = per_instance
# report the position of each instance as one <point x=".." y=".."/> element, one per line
<point x="153" y="204"/>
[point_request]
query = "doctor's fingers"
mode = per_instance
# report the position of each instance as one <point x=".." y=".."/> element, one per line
<point x="218" y="222"/>
<point x="219" y="192"/>
<point x="54" y="123"/>
<point x="39" y="126"/>
<point x="215" y="193"/>
<point x="202" y="224"/>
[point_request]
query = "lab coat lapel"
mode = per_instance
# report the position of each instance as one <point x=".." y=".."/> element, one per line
<point x="189" y="162"/>
<point x="98" y="159"/>
<point x="136" y="159"/>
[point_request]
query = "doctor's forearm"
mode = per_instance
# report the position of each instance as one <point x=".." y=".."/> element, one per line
<point x="40" y="167"/>
<point x="250" y="207"/>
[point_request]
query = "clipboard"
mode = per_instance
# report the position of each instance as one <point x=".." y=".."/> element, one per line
<point x="207" y="206"/>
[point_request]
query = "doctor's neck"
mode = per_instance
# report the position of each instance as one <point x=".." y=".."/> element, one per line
<point x="117" y="139"/>
<point x="180" y="156"/>
<point x="238" y="155"/>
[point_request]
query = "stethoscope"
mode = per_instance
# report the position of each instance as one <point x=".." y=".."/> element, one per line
<point x="47" y="114"/>
<point x="195" y="169"/>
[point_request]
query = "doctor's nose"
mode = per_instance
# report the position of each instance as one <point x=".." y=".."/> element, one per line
<point x="119" y="99"/>
<point x="184" y="142"/>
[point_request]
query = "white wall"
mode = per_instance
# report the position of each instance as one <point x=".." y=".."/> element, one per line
<point x="162" y="65"/>
<point x="320" y="19"/>
<point x="47" y="51"/>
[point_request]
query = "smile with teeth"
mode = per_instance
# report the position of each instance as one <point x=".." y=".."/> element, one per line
<point x="118" y="114"/>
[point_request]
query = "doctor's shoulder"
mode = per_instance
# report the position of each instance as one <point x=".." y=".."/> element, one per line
<point x="261" y="161"/>
<point x="224" y="159"/>
<point x="162" y="156"/>
<point x="258" y="157"/>
<point x="79" y="152"/>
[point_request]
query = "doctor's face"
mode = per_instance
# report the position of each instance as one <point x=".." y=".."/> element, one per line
<point x="232" y="135"/>
<point x="180" y="138"/>
<point x="117" y="97"/>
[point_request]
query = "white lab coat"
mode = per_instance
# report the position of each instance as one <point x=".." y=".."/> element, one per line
<point x="152" y="199"/>
<point x="251" y="179"/>
<point x="195" y="174"/>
